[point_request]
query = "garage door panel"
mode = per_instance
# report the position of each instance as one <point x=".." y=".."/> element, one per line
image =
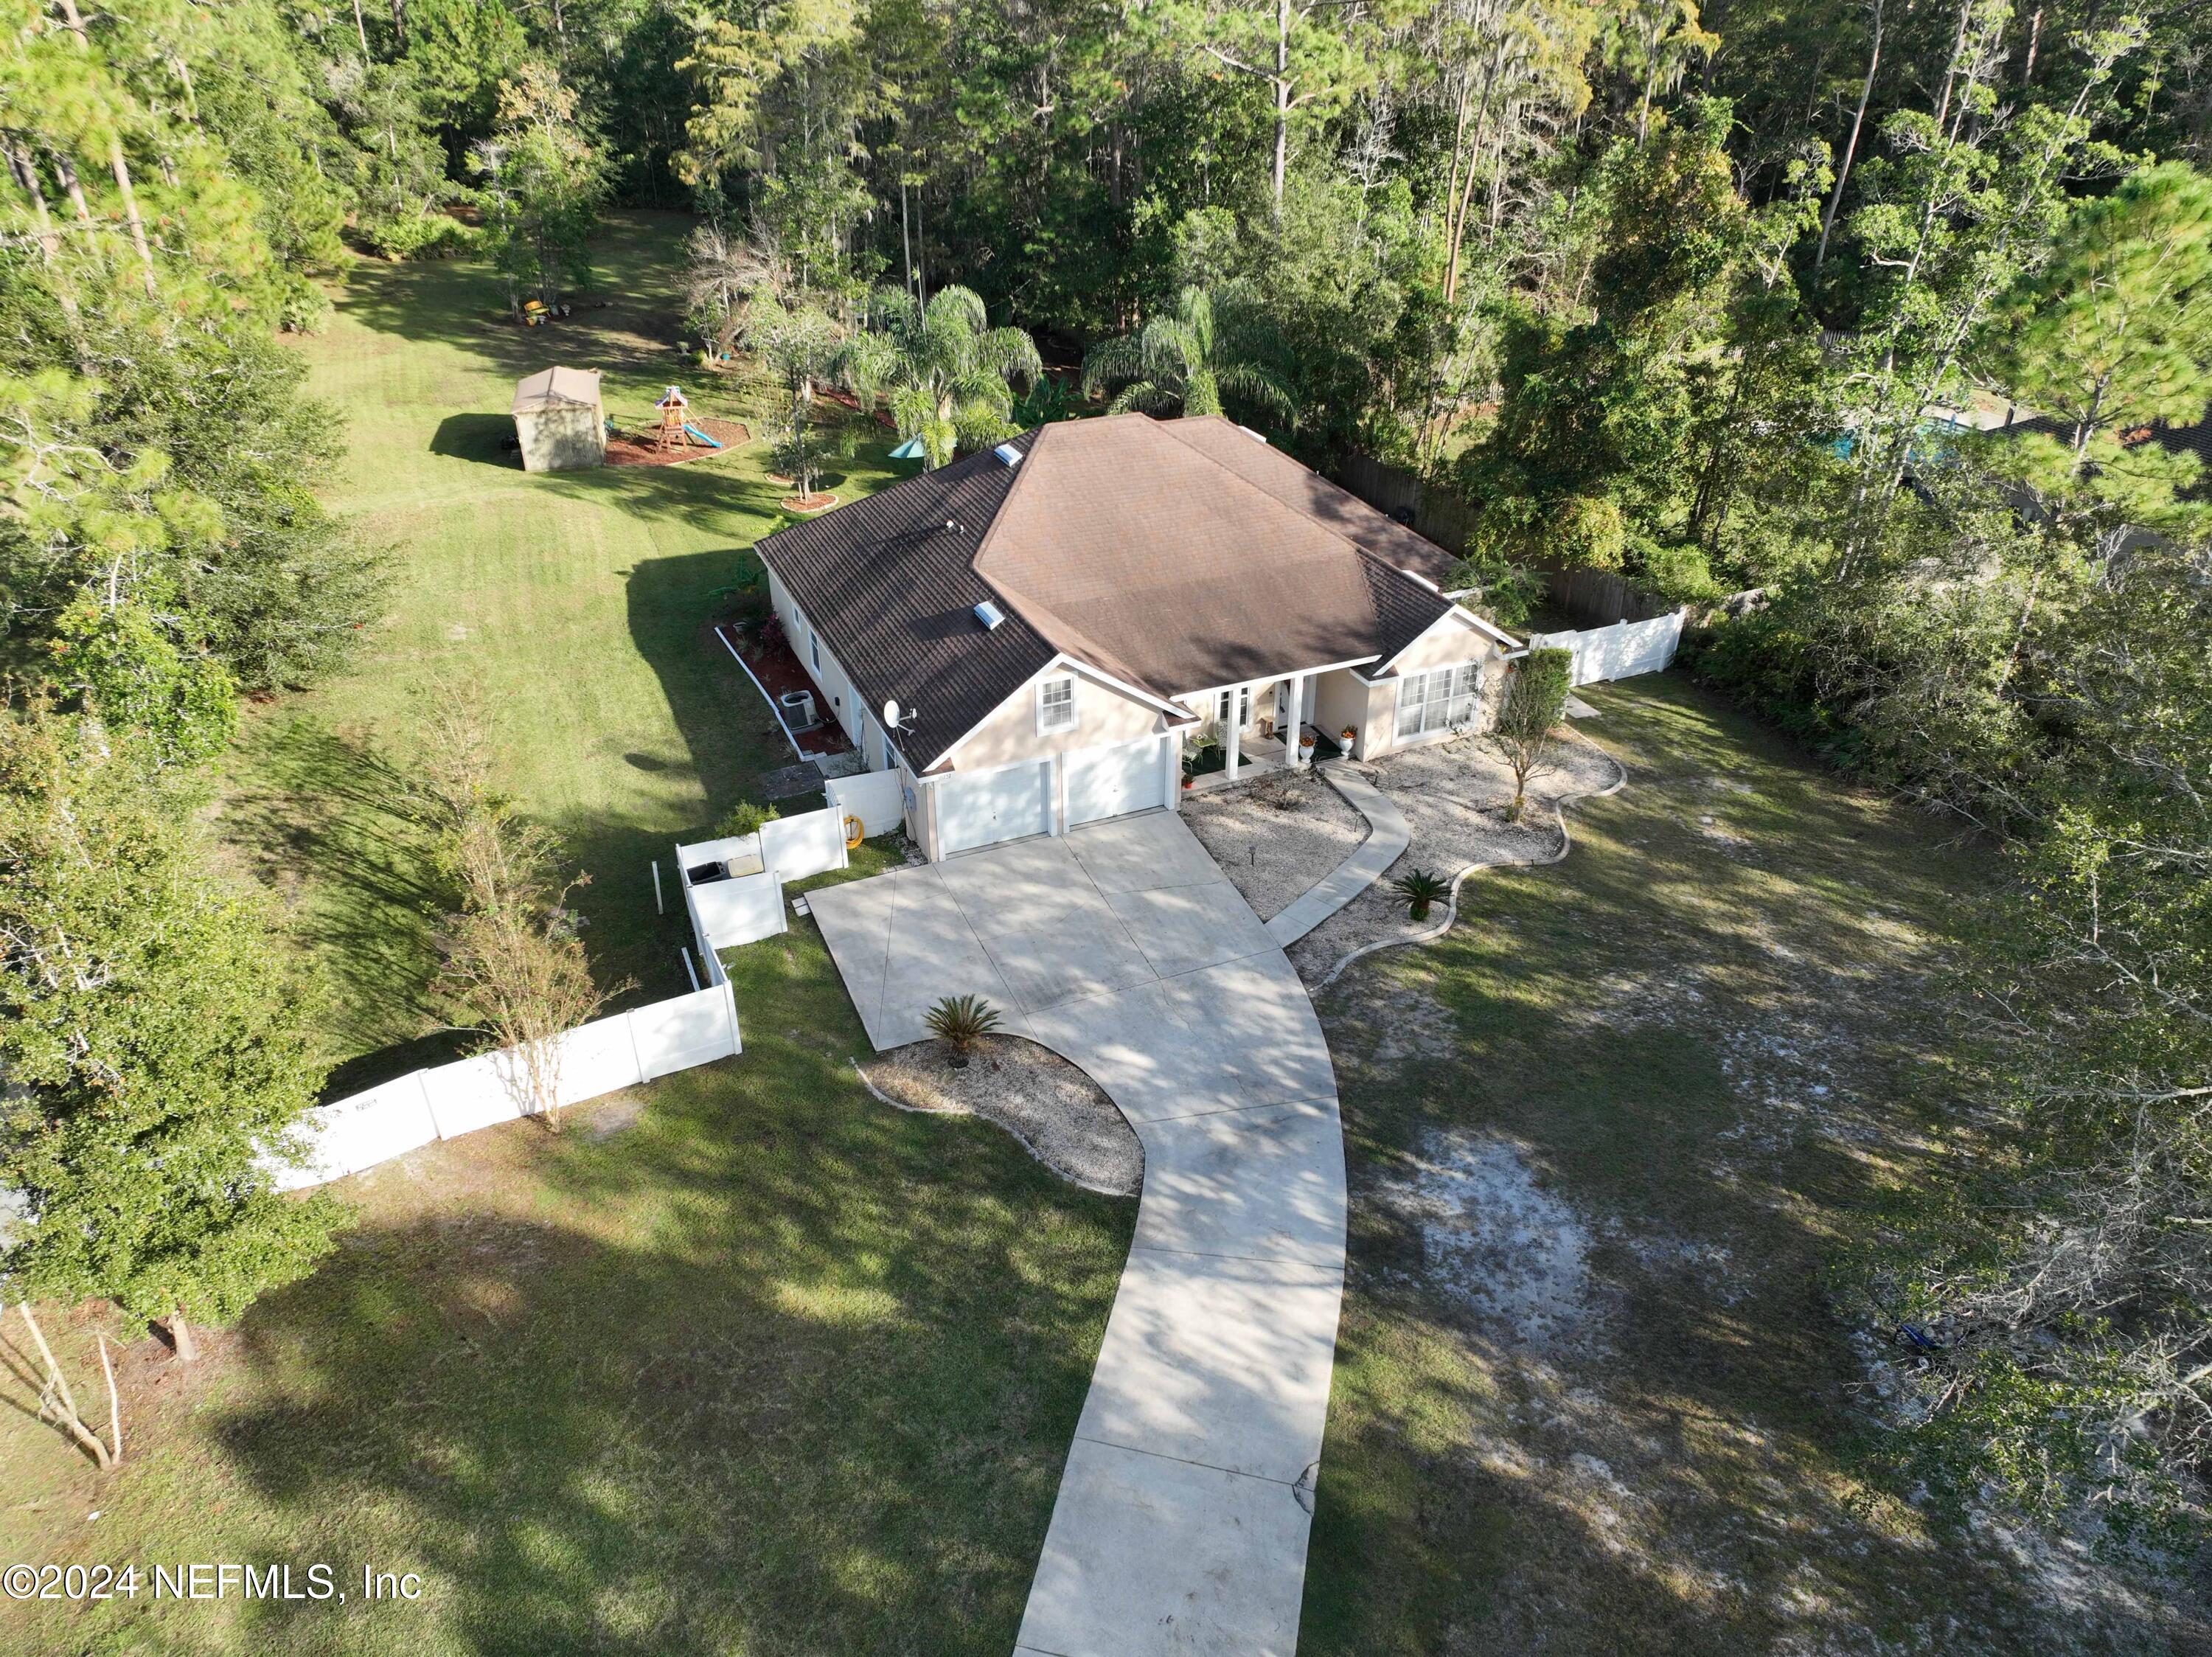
<point x="1114" y="781"/>
<point x="995" y="806"/>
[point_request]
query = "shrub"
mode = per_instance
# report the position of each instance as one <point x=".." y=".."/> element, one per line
<point x="1535" y="698"/>
<point x="961" y="1021"/>
<point x="419" y="235"/>
<point x="745" y="818"/>
<point x="1420" y="889"/>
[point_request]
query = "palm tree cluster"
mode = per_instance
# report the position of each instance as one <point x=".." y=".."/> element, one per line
<point x="946" y="371"/>
<point x="1214" y="341"/>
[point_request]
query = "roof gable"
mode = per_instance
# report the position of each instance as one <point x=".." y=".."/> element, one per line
<point x="893" y="592"/>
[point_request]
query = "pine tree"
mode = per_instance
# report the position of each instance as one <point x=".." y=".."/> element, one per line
<point x="154" y="1045"/>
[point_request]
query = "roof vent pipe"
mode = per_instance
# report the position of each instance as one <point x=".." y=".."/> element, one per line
<point x="989" y="614"/>
<point x="1008" y="454"/>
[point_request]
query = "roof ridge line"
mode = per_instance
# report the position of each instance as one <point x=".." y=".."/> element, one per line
<point x="1245" y="483"/>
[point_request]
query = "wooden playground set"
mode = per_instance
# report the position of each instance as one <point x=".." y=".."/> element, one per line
<point x="676" y="436"/>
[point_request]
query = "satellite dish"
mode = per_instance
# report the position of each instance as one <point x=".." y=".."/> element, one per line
<point x="892" y="714"/>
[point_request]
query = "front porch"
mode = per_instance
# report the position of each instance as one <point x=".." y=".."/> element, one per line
<point x="1245" y="730"/>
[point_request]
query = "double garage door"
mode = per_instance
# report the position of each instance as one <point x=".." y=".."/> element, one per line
<point x="1010" y="804"/>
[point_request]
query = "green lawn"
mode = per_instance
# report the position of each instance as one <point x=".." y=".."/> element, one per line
<point x="575" y="606"/>
<point x="1694" y="1043"/>
<point x="772" y="1369"/>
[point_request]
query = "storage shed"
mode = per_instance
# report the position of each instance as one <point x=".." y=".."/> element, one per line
<point x="559" y="421"/>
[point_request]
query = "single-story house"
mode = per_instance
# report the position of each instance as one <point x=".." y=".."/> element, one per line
<point x="1032" y="636"/>
<point x="559" y="421"/>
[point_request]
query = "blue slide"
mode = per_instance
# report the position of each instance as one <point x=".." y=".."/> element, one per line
<point x="701" y="435"/>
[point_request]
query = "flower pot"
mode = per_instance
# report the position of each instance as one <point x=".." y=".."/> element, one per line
<point x="1188" y="782"/>
<point x="1348" y="737"/>
<point x="1305" y="750"/>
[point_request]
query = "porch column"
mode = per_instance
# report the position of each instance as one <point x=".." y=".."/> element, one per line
<point x="1298" y="719"/>
<point x="1233" y="736"/>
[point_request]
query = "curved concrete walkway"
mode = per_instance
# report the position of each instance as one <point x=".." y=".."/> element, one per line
<point x="1181" y="1521"/>
<point x="1387" y="837"/>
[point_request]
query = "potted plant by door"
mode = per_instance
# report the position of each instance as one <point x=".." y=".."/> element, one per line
<point x="1306" y="747"/>
<point x="1346" y="737"/>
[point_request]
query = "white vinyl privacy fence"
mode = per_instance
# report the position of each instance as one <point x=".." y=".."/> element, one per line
<point x="599" y="1057"/>
<point x="742" y="902"/>
<point x="733" y="887"/>
<point x="1621" y="651"/>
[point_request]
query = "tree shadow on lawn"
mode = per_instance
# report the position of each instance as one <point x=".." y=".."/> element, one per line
<point x="1707" y="1040"/>
<point x="463" y="303"/>
<point x="794" y="1373"/>
<point x="324" y="821"/>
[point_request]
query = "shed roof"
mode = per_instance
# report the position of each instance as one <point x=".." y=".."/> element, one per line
<point x="554" y="389"/>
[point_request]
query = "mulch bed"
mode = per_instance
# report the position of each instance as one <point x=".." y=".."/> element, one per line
<point x="851" y="403"/>
<point x="1060" y="1116"/>
<point x="807" y="502"/>
<point x="778" y="670"/>
<point x="635" y="449"/>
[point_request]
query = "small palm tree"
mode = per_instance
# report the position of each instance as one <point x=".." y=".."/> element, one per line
<point x="1181" y="361"/>
<point x="961" y="1021"/>
<point x="1420" y="889"/>
<point x="947" y="372"/>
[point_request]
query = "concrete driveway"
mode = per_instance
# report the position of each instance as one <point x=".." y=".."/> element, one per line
<point x="1184" y="1510"/>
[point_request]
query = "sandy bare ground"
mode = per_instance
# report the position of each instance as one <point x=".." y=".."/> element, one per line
<point x="1454" y="796"/>
<point x="1276" y="837"/>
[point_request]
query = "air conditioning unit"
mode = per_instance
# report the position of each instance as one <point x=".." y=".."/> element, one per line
<point x="797" y="708"/>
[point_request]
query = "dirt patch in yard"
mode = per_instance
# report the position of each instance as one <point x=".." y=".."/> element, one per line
<point x="1275" y="838"/>
<point x="1596" y="1389"/>
<point x="1454" y="797"/>
<point x="1062" y="1117"/>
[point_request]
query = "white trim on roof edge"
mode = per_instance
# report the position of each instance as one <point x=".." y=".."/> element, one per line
<point x="1457" y="613"/>
<point x="1287" y="672"/>
<point x="1061" y="662"/>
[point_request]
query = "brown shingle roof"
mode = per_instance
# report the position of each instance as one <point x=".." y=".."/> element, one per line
<point x="1307" y="492"/>
<point x="1120" y="537"/>
<point x="1156" y="551"/>
<point x="893" y="594"/>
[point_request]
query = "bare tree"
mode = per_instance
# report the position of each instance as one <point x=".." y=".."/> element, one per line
<point x="58" y="1401"/>
<point x="723" y="272"/>
<point x="513" y="956"/>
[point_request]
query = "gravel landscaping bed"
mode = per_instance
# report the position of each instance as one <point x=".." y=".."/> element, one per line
<point x="1276" y="837"/>
<point x="1454" y="796"/>
<point x="1064" y="1118"/>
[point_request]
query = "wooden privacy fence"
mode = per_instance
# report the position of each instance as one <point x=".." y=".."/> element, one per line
<point x="599" y="1057"/>
<point x="1590" y="598"/>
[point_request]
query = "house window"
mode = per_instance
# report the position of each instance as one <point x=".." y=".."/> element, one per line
<point x="814" y="649"/>
<point x="1243" y="707"/>
<point x="1437" y="700"/>
<point x="1056" y="705"/>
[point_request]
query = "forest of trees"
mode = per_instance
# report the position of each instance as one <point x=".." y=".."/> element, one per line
<point x="1678" y="294"/>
